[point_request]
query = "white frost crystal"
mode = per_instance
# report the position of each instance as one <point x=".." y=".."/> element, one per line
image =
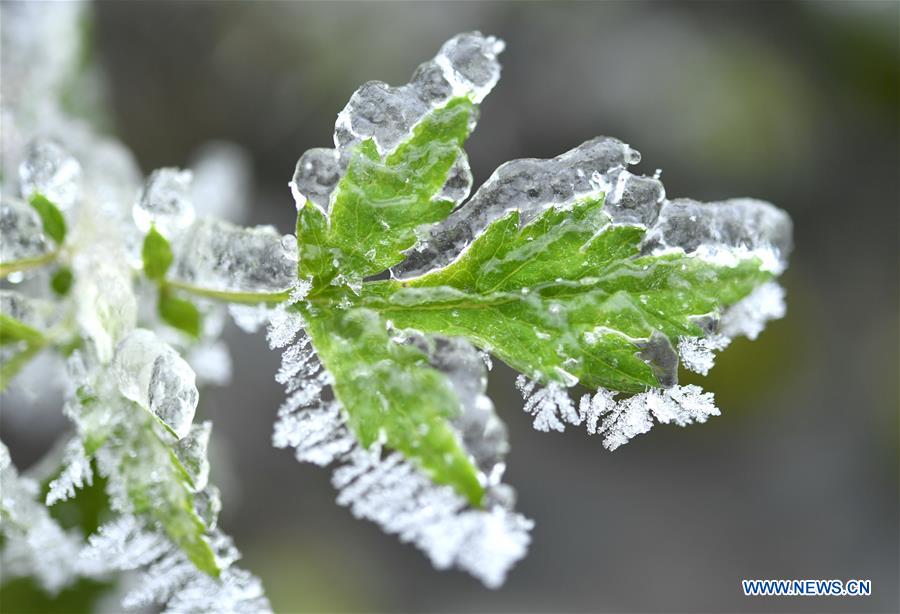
<point x="49" y="169"/>
<point x="165" y="202"/>
<point x="618" y="420"/>
<point x="153" y="375"/>
<point x="35" y="545"/>
<point x="21" y="232"/>
<point x="698" y="353"/>
<point x="748" y="317"/>
<point x="219" y="256"/>
<point x="75" y="474"/>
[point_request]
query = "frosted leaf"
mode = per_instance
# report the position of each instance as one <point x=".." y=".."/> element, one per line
<point x="698" y="353"/>
<point x="723" y="232"/>
<point x="191" y="453"/>
<point x="392" y="492"/>
<point x="403" y="501"/>
<point x="49" y="169"/>
<point x="153" y="375"/>
<point x="21" y="232"/>
<point x="75" y="474"/>
<point x="170" y="579"/>
<point x="551" y="405"/>
<point x="165" y="202"/>
<point x="222" y="257"/>
<point x="222" y="181"/>
<point x="34" y="544"/>
<point x="748" y="317"/>
<point x="315" y="177"/>
<point x="531" y="186"/>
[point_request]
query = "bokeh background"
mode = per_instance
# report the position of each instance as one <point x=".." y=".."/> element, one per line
<point x="795" y="103"/>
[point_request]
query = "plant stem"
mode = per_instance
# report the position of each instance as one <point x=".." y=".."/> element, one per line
<point x="27" y="263"/>
<point x="251" y="298"/>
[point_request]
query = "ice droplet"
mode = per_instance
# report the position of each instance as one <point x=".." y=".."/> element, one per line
<point x="220" y="256"/>
<point x="165" y="202"/>
<point x="49" y="169"/>
<point x="152" y="374"/>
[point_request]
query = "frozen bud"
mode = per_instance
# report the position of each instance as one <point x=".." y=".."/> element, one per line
<point x="191" y="453"/>
<point x="50" y="170"/>
<point x="153" y="375"/>
<point x="165" y="202"/>
<point x="21" y="232"/>
<point x="219" y="256"/>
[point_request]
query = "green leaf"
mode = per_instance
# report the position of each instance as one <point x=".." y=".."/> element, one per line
<point x="51" y="217"/>
<point x="12" y="331"/>
<point x="179" y="313"/>
<point x="379" y="203"/>
<point x="567" y="296"/>
<point x="61" y="282"/>
<point x="156" y="254"/>
<point x="390" y="391"/>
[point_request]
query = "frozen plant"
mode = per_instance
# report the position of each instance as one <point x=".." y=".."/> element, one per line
<point x="388" y="304"/>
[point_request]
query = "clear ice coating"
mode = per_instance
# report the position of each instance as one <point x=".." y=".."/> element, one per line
<point x="482" y="432"/>
<point x="191" y="453"/>
<point x="165" y="202"/>
<point x="153" y="375"/>
<point x="215" y="255"/>
<point x="466" y="65"/>
<point x="21" y="232"/>
<point x="723" y="231"/>
<point x="532" y="185"/>
<point x="49" y="169"/>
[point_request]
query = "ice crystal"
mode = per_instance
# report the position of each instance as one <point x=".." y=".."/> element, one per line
<point x="153" y="375"/>
<point x="749" y="316"/>
<point x="165" y="202"/>
<point x="550" y="405"/>
<point x="75" y="474"/>
<point x="49" y="169"/>
<point x="698" y="353"/>
<point x="191" y="452"/>
<point x="618" y="420"/>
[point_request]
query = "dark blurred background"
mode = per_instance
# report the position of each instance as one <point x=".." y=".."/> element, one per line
<point x="795" y="103"/>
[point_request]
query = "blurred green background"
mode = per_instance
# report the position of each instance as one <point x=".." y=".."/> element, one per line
<point x="795" y="103"/>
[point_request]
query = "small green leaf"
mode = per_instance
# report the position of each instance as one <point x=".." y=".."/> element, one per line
<point x="567" y="296"/>
<point x="61" y="282"/>
<point x="389" y="390"/>
<point x="156" y="254"/>
<point x="51" y="217"/>
<point x="179" y="313"/>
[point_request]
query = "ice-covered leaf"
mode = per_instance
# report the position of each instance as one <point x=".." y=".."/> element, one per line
<point x="569" y="298"/>
<point x="153" y="375"/>
<point x="392" y="395"/>
<point x="156" y="255"/>
<point x="51" y="217"/>
<point x="21" y="232"/>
